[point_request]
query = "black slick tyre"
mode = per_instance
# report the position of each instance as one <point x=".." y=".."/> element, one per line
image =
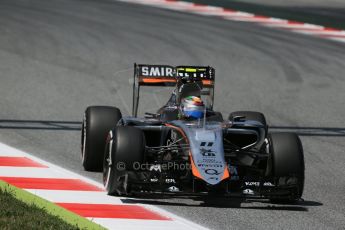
<point x="124" y="153"/>
<point x="97" y="122"/>
<point x="287" y="164"/>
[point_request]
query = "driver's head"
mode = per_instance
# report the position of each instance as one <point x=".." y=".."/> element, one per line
<point x="192" y="107"/>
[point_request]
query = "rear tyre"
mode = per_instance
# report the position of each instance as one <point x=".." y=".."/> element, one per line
<point x="124" y="153"/>
<point x="287" y="164"/>
<point x="249" y="115"/>
<point x="97" y="122"/>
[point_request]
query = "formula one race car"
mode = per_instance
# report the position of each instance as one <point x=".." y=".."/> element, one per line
<point x="187" y="147"/>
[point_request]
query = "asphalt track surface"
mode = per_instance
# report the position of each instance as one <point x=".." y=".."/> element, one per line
<point x="330" y="13"/>
<point x="58" y="56"/>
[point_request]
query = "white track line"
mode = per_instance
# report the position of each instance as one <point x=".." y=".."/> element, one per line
<point x="137" y="224"/>
<point x="81" y="197"/>
<point x="32" y="172"/>
<point x="338" y="39"/>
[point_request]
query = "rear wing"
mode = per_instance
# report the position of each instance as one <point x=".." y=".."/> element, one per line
<point x="171" y="76"/>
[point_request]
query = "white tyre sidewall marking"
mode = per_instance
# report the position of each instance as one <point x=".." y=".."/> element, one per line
<point x="84" y="138"/>
<point x="110" y="160"/>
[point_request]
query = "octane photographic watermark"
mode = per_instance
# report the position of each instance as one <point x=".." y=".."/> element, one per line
<point x="121" y="166"/>
<point x="137" y="166"/>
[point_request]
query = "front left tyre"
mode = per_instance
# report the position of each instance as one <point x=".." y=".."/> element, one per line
<point x="287" y="165"/>
<point x="97" y="122"/>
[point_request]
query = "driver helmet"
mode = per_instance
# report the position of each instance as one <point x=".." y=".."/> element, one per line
<point x="192" y="107"/>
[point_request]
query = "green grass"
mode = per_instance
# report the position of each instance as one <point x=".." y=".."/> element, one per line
<point x="15" y="214"/>
<point x="22" y="210"/>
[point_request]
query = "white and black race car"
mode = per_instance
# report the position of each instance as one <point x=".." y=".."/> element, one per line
<point x="164" y="153"/>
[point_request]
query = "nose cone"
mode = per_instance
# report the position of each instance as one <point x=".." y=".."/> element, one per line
<point x="208" y="155"/>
